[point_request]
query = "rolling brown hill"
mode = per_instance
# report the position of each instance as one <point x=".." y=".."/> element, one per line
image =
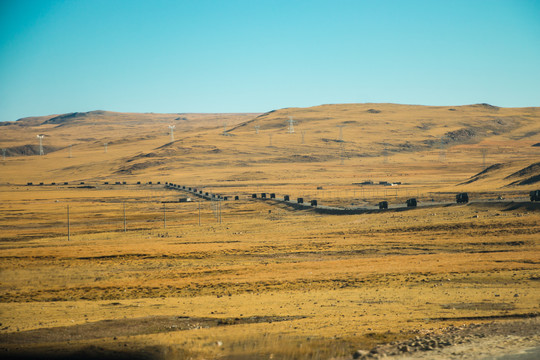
<point x="341" y="143"/>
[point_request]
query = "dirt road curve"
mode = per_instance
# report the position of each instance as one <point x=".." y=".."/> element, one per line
<point x="509" y="340"/>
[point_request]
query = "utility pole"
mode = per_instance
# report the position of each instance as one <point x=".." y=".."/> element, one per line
<point x="171" y="127"/>
<point x="40" y="137"/>
<point x="291" y="125"/>
<point x="484" y="152"/>
<point x="199" y="212"/>
<point x="164" y="217"/>
<point x="106" y="147"/>
<point x="125" y="229"/>
<point x="69" y="228"/>
<point x="219" y="211"/>
<point x="340" y="132"/>
<point x="442" y="154"/>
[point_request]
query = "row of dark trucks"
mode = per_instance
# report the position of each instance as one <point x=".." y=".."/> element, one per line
<point x="461" y="198"/>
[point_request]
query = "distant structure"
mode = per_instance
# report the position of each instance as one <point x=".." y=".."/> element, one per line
<point x="303" y="136"/>
<point x="4" y="154"/>
<point x="257" y="127"/>
<point x="291" y="125"/>
<point x="171" y="128"/>
<point x="40" y="137"/>
<point x="442" y="153"/>
<point x="105" y="147"/>
<point x="225" y="133"/>
<point x="340" y="132"/>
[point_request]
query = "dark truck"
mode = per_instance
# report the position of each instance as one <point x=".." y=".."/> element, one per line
<point x="462" y="198"/>
<point x="412" y="202"/>
<point x="535" y="195"/>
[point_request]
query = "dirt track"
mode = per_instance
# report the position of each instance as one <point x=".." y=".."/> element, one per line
<point x="474" y="341"/>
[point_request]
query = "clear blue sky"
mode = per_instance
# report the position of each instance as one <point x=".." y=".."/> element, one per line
<point x="259" y="55"/>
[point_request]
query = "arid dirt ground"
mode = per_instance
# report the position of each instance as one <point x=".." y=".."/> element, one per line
<point x="265" y="279"/>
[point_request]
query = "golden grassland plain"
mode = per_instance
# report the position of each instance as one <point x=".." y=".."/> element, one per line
<point x="266" y="279"/>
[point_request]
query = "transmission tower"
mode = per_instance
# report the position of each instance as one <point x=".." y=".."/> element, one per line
<point x="40" y="137"/>
<point x="442" y="153"/>
<point x="340" y="132"/>
<point x="291" y="125"/>
<point x="484" y="153"/>
<point x="171" y="128"/>
<point x="342" y="154"/>
<point x="257" y="127"/>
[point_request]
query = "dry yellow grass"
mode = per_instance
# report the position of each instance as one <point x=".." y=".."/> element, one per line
<point x="345" y="282"/>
